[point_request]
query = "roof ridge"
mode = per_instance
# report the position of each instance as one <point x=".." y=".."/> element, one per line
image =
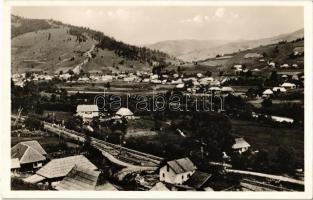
<point x="24" y="153"/>
<point x="33" y="148"/>
<point x="176" y="161"/>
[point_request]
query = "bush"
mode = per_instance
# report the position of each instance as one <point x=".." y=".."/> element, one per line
<point x="33" y="124"/>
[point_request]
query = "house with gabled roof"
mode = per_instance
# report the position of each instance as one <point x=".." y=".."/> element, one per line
<point x="87" y="112"/>
<point x="29" y="154"/>
<point x="84" y="179"/>
<point x="57" y="169"/>
<point x="177" y="171"/>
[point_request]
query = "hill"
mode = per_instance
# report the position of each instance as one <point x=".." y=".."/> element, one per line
<point x="51" y="46"/>
<point x="254" y="58"/>
<point x="191" y="50"/>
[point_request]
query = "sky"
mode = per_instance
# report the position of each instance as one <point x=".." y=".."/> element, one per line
<point x="149" y="24"/>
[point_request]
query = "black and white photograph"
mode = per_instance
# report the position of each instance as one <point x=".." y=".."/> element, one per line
<point x="159" y="97"/>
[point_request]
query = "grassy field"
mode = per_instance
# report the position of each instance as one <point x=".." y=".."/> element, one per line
<point x="59" y="114"/>
<point x="116" y="87"/>
<point x="268" y="138"/>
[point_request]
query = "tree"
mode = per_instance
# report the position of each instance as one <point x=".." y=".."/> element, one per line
<point x="32" y="123"/>
<point x="261" y="161"/>
<point x="208" y="73"/>
<point x="285" y="158"/>
<point x="74" y="123"/>
<point x="108" y="85"/>
<point x="70" y="72"/>
<point x="266" y="103"/>
<point x="211" y="130"/>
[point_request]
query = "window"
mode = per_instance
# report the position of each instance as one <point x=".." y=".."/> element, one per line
<point x="182" y="177"/>
<point x="163" y="175"/>
<point x="167" y="168"/>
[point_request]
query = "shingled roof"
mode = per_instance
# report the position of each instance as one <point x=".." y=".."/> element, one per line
<point x="62" y="166"/>
<point x="181" y="165"/>
<point x="81" y="178"/>
<point x="159" y="187"/>
<point x="28" y="152"/>
<point x="198" y="179"/>
<point x="240" y="143"/>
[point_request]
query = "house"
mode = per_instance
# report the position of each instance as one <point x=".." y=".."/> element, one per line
<point x="295" y="77"/>
<point x="65" y="76"/>
<point x="227" y="90"/>
<point x="57" y="169"/>
<point x="30" y="155"/>
<point x="295" y="65"/>
<point x="241" y="145"/>
<point x="267" y="93"/>
<point x="288" y="85"/>
<point x="237" y="67"/>
<point x="253" y="55"/>
<point x="83" y="79"/>
<point x="214" y="89"/>
<point x="177" y="171"/>
<point x="125" y="112"/>
<point x="87" y="112"/>
<point x="279" y="89"/>
<point x="180" y="86"/>
<point x="298" y="51"/>
<point x="106" y="78"/>
<point x="215" y="83"/>
<point x="284" y="65"/>
<point x="282" y="119"/>
<point x="272" y="64"/>
<point x="199" y="75"/>
<point x="84" y="179"/>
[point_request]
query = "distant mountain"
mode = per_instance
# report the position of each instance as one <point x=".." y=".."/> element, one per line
<point x="190" y="50"/>
<point x="51" y="46"/>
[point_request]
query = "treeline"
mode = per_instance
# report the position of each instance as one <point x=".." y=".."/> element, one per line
<point x="27" y="25"/>
<point x="120" y="48"/>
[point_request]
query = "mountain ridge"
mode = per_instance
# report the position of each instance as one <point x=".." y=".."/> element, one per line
<point x="202" y="49"/>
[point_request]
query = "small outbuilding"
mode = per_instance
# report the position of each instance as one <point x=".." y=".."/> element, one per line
<point x="241" y="145"/>
<point x="268" y="92"/>
<point x="125" y="112"/>
<point x="289" y="85"/>
<point x="279" y="89"/>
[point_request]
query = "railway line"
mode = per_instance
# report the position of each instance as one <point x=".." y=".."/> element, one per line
<point x="254" y="185"/>
<point x="121" y="153"/>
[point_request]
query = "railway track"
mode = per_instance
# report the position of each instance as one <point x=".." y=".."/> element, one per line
<point x="122" y="153"/>
<point x="261" y="186"/>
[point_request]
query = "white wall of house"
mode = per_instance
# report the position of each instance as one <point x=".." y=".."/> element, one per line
<point x="241" y="150"/>
<point x="88" y="115"/>
<point x="169" y="176"/>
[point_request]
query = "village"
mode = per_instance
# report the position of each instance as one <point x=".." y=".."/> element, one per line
<point x="33" y="165"/>
<point x="93" y="113"/>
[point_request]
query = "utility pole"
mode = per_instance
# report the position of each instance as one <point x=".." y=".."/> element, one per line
<point x="120" y="144"/>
